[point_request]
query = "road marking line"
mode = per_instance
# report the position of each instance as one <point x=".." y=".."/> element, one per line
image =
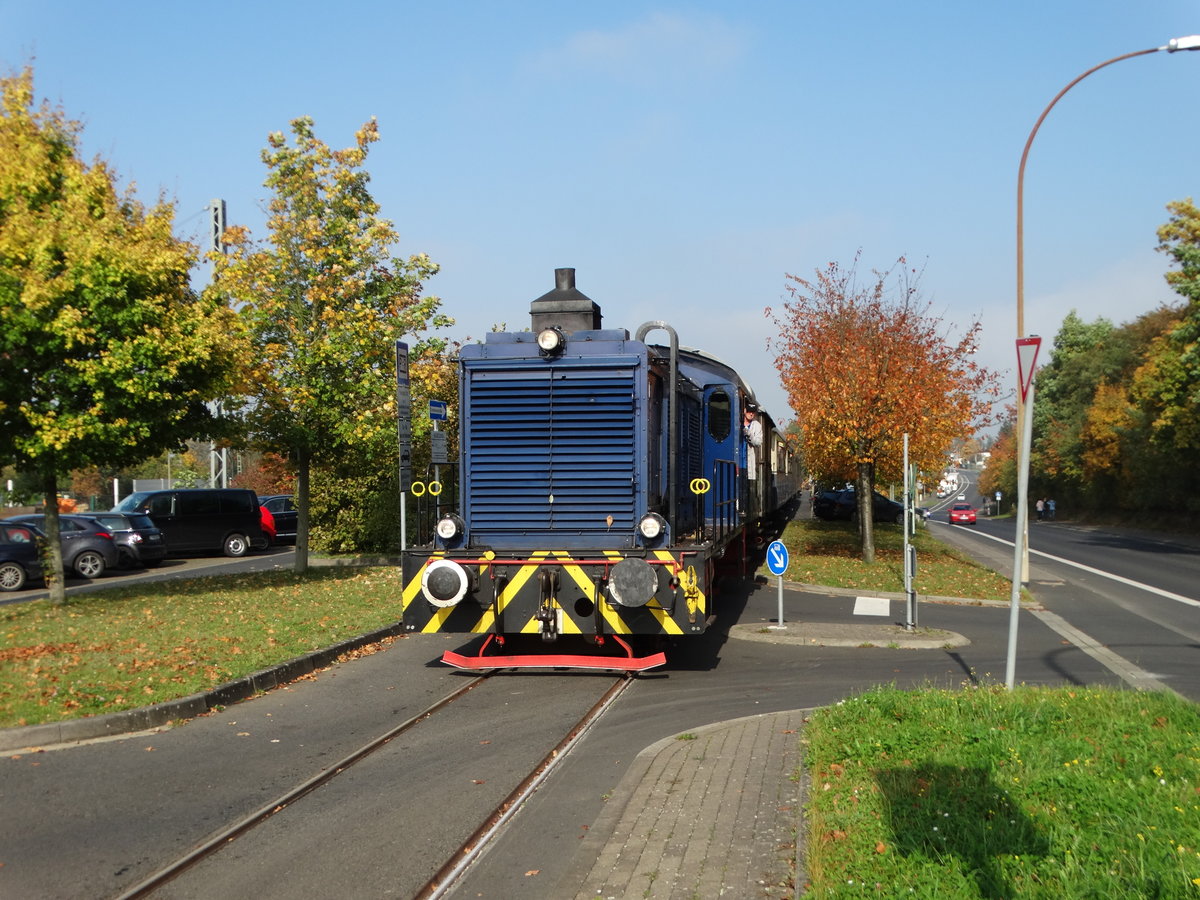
<point x="1179" y="598"/>
<point x="1139" y="679"/>
<point x="872" y="606"/>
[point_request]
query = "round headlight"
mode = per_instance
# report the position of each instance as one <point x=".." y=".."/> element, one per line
<point x="449" y="527"/>
<point x="550" y="340"/>
<point x="651" y="526"/>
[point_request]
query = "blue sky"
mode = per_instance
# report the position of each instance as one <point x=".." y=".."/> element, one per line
<point x="681" y="157"/>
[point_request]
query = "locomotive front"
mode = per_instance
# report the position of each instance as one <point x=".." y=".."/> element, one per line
<point x="567" y="524"/>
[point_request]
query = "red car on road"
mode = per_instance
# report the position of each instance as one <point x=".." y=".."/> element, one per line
<point x="962" y="514"/>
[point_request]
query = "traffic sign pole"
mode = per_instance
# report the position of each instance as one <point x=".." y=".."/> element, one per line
<point x="777" y="562"/>
<point x="1027" y="352"/>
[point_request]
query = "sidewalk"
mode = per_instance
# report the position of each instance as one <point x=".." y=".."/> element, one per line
<point x="703" y="814"/>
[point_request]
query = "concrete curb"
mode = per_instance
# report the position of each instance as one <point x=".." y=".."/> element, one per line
<point x="850" y="635"/>
<point x="162" y="714"/>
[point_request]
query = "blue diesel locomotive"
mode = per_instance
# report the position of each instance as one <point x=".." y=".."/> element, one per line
<point x="604" y="484"/>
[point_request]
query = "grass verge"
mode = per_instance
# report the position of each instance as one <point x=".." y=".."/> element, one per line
<point x="131" y="647"/>
<point x="830" y="554"/>
<point x="1055" y="793"/>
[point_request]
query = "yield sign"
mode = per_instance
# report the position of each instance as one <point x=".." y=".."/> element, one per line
<point x="1027" y="353"/>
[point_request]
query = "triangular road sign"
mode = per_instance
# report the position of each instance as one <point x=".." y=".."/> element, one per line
<point x="1027" y="354"/>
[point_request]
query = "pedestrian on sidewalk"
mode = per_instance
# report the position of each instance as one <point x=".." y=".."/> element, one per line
<point x="1041" y="509"/>
<point x="1050" y="509"/>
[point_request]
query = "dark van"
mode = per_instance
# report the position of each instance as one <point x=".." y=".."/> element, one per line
<point x="202" y="519"/>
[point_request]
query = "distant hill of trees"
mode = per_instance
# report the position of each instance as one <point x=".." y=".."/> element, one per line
<point x="1116" y="422"/>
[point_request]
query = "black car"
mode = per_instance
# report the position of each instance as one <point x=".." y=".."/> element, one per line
<point x="139" y="542"/>
<point x="20" y="556"/>
<point x="283" y="509"/>
<point x="87" y="549"/>
<point x="831" y="505"/>
<point x="202" y="519"/>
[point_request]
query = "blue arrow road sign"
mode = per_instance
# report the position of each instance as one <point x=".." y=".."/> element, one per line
<point x="437" y="410"/>
<point x="777" y="558"/>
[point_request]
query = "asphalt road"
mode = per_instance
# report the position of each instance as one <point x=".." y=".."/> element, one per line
<point x="1134" y="593"/>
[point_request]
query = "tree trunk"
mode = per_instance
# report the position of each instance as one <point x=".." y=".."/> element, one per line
<point x="52" y="558"/>
<point x="864" y="490"/>
<point x="303" y="463"/>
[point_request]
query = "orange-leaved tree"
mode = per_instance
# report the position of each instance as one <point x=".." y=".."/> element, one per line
<point x="863" y="366"/>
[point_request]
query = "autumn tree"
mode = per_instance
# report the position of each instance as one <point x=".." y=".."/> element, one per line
<point x="862" y="366"/>
<point x="1092" y="426"/>
<point x="1000" y="476"/>
<point x="106" y="356"/>
<point x="324" y="301"/>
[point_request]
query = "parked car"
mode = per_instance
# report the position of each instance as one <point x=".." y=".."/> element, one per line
<point x="20" y="556"/>
<point x="962" y="514"/>
<point x="139" y="542"/>
<point x="87" y="548"/>
<point x="283" y="509"/>
<point x="831" y="505"/>
<point x="202" y="519"/>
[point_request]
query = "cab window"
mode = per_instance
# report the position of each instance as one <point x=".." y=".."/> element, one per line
<point x="719" y="412"/>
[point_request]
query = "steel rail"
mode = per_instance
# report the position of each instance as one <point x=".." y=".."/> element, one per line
<point x="254" y="819"/>
<point x="471" y="849"/>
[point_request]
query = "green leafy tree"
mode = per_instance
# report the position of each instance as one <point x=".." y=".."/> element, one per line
<point x="1170" y="382"/>
<point x="105" y="354"/>
<point x="324" y="301"/>
<point x="1066" y="385"/>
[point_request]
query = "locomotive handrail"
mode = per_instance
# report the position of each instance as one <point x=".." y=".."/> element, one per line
<point x="673" y="389"/>
<point x="725" y="493"/>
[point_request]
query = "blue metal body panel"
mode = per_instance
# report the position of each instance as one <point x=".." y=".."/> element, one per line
<point x="552" y="451"/>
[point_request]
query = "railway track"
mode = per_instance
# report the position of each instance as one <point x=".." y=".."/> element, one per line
<point x="456" y="862"/>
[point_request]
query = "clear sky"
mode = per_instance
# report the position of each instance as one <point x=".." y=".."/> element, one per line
<point x="682" y="157"/>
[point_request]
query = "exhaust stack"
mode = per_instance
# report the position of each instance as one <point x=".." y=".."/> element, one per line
<point x="565" y="308"/>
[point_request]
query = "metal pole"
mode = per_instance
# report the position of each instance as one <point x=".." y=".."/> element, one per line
<point x="910" y="618"/>
<point x="1020" y="548"/>
<point x="1191" y="42"/>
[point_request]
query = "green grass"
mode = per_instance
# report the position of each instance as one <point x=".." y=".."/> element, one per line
<point x="130" y="647"/>
<point x="982" y="792"/>
<point x="830" y="554"/>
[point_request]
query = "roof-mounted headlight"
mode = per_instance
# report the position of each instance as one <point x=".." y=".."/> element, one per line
<point x="551" y="341"/>
<point x="651" y="526"/>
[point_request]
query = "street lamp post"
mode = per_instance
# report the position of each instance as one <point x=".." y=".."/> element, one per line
<point x="1021" y="570"/>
